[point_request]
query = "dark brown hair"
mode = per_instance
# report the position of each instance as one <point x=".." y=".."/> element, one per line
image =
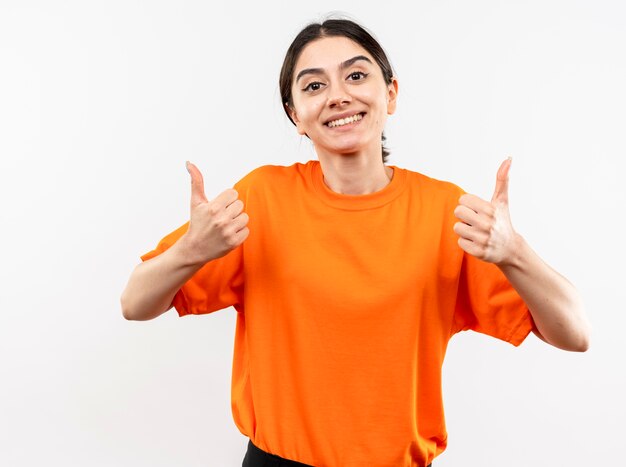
<point x="331" y="28"/>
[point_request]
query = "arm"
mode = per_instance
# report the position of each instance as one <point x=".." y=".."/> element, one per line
<point x="153" y="283"/>
<point x="215" y="228"/>
<point x="554" y="303"/>
<point x="486" y="232"/>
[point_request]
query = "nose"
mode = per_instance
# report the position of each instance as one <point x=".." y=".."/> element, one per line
<point x="338" y="97"/>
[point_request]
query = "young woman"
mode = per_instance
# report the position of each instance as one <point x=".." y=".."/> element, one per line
<point x="350" y="276"/>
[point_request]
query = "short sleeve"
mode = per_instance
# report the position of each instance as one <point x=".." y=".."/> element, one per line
<point x="488" y="303"/>
<point x="217" y="285"/>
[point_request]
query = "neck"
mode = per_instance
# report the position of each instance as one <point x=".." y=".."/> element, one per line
<point x="355" y="174"/>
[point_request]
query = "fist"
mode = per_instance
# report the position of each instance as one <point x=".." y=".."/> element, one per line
<point x="485" y="230"/>
<point x="215" y="227"/>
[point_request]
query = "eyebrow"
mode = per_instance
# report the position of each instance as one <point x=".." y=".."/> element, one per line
<point x="316" y="71"/>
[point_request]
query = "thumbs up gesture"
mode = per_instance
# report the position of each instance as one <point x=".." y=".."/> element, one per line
<point x="215" y="227"/>
<point x="485" y="230"/>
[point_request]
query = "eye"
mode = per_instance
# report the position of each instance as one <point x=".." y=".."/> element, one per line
<point x="314" y="86"/>
<point x="357" y="75"/>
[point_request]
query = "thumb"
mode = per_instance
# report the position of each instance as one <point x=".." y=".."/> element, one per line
<point x="197" y="185"/>
<point x="501" y="193"/>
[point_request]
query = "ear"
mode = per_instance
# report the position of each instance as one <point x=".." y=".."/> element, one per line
<point x="392" y="96"/>
<point x="294" y="116"/>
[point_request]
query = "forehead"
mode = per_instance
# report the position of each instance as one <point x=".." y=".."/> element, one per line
<point x="329" y="53"/>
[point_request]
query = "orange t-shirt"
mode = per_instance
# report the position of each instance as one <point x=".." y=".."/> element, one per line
<point x="345" y="306"/>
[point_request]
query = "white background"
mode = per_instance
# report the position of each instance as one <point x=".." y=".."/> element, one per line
<point x="102" y="102"/>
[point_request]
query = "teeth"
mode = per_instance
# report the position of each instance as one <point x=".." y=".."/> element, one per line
<point x="345" y="121"/>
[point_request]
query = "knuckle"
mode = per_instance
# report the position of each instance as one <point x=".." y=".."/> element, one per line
<point x="233" y="241"/>
<point x="478" y="251"/>
<point x="218" y="222"/>
<point x="224" y="224"/>
<point x="213" y="210"/>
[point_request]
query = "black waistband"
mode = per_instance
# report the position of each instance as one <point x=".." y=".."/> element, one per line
<point x="256" y="457"/>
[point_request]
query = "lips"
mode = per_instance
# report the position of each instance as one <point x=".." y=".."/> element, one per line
<point x="344" y="119"/>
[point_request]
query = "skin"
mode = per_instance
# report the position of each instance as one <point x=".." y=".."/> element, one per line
<point x="338" y="83"/>
<point x="215" y="228"/>
<point x="350" y="156"/>
<point x="486" y="232"/>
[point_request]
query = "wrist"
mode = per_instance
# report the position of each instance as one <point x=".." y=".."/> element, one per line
<point x="191" y="251"/>
<point x="517" y="253"/>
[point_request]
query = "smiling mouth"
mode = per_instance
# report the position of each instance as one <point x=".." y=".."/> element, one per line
<point x="345" y="121"/>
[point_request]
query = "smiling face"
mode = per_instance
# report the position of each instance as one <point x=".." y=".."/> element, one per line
<point x="340" y="97"/>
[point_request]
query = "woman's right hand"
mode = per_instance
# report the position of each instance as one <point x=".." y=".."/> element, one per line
<point x="215" y="227"/>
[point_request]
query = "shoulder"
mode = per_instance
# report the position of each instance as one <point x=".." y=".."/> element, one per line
<point x="432" y="188"/>
<point x="266" y="172"/>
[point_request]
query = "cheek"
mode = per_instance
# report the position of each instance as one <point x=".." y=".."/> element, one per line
<point x="376" y="98"/>
<point x="309" y="111"/>
<point x="378" y="107"/>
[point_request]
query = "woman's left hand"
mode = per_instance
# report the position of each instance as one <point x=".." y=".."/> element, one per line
<point x="485" y="229"/>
